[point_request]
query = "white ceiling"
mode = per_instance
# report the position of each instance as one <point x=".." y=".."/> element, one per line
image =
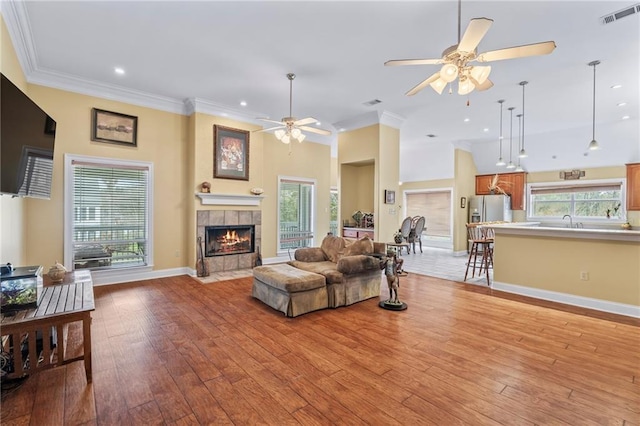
<point x="222" y="53"/>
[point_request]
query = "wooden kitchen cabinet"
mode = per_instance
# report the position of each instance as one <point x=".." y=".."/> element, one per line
<point x="482" y="184"/>
<point x="633" y="186"/>
<point x="513" y="184"/>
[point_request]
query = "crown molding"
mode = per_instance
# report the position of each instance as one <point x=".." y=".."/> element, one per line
<point x="358" y="122"/>
<point x="106" y="91"/>
<point x="212" y="108"/>
<point x="16" y="19"/>
<point x="391" y="119"/>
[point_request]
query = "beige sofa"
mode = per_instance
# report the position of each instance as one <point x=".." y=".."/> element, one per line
<point x="350" y="268"/>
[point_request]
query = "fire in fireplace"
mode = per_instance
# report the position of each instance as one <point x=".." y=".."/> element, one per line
<point x="229" y="239"/>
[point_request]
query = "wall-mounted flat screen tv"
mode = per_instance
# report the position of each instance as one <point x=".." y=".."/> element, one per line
<point x="27" y="136"/>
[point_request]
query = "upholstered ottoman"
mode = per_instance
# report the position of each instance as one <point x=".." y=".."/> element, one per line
<point x="289" y="290"/>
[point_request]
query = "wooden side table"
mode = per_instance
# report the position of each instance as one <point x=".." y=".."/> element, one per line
<point x="59" y="305"/>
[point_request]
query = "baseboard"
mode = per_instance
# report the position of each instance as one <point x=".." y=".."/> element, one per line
<point x="461" y="253"/>
<point x="119" y="276"/>
<point x="570" y="299"/>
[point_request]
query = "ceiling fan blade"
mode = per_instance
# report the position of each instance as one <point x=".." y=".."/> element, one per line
<point x="304" y="121"/>
<point x="488" y="84"/>
<point x="268" y="130"/>
<point x="314" y="130"/>
<point x="272" y="121"/>
<point x="543" y="48"/>
<point x="423" y="84"/>
<point x="395" y="62"/>
<point x="477" y="28"/>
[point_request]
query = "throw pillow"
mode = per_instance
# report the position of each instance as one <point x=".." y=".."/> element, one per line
<point x="362" y="246"/>
<point x="333" y="247"/>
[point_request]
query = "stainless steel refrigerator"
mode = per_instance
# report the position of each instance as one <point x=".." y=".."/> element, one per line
<point x="490" y="208"/>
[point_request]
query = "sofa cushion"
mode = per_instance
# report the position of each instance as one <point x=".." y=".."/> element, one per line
<point x="333" y="247"/>
<point x="358" y="263"/>
<point x="327" y="269"/>
<point x="310" y="254"/>
<point x="361" y="246"/>
<point x="287" y="278"/>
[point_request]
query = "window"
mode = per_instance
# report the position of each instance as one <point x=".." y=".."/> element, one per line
<point x="295" y="216"/>
<point x="107" y="214"/>
<point x="584" y="200"/>
<point x="435" y="206"/>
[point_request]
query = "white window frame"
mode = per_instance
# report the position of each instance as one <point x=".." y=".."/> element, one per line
<point x="314" y="186"/>
<point x="69" y="208"/>
<point x="573" y="183"/>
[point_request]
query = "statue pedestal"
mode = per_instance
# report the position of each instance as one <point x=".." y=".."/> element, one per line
<point x="393" y="306"/>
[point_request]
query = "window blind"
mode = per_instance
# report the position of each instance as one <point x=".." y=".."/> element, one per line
<point x="36" y="181"/>
<point x="110" y="223"/>
<point x="435" y="207"/>
<point x="568" y="189"/>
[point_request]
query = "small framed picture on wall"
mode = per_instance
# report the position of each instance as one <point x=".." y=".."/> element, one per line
<point x="389" y="196"/>
<point x="231" y="153"/>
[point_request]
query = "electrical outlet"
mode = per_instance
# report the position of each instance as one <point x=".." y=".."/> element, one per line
<point x="584" y="276"/>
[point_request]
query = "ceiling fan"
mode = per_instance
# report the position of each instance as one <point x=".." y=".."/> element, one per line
<point x="456" y="59"/>
<point x="290" y="127"/>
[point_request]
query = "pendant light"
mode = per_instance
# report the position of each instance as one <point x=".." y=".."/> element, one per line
<point x="593" y="145"/>
<point x="520" y="121"/>
<point x="500" y="160"/>
<point x="523" y="153"/>
<point x="510" y="165"/>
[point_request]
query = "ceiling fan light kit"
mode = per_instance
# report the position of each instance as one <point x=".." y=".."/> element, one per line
<point x="457" y="59"/>
<point x="289" y="127"/>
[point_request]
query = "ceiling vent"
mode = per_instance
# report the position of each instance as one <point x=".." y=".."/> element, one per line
<point x="431" y="135"/>
<point x="631" y="10"/>
<point x="372" y="102"/>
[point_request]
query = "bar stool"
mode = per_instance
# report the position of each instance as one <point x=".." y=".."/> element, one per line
<point x="481" y="240"/>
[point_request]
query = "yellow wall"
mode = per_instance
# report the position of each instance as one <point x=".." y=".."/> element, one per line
<point x="162" y="140"/>
<point x="12" y="210"/>
<point x="376" y="145"/>
<point x="465" y="185"/>
<point x="555" y="264"/>
<point x="306" y="160"/>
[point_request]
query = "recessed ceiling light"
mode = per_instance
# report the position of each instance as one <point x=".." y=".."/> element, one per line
<point x="466" y="120"/>
<point x="224" y="114"/>
<point x="243" y="103"/>
<point x="486" y="129"/>
<point x="625" y="117"/>
<point x="616" y="86"/>
<point x="318" y="123"/>
<point x="622" y="104"/>
<point x="118" y="70"/>
<point x="342" y="129"/>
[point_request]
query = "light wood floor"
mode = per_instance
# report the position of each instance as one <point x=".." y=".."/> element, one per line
<point x="174" y="351"/>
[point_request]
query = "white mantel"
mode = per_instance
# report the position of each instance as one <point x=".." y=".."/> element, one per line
<point x="209" y="199"/>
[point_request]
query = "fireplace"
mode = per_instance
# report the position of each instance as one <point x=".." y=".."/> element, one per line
<point x="229" y="239"/>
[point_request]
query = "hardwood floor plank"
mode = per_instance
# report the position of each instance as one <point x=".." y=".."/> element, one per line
<point x="170" y="400"/>
<point x="111" y="407"/>
<point x="79" y="402"/>
<point x="146" y="414"/>
<point x="308" y="415"/>
<point x="232" y="402"/>
<point x="48" y="407"/>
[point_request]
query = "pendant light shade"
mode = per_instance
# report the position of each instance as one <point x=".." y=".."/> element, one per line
<point x="480" y="74"/>
<point x="500" y="162"/>
<point x="438" y="85"/>
<point x="519" y="168"/>
<point x="465" y="86"/>
<point x="510" y="165"/>
<point x="593" y="145"/>
<point x="523" y="152"/>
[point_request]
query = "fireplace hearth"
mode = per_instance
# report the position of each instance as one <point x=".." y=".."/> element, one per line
<point x="229" y="239"/>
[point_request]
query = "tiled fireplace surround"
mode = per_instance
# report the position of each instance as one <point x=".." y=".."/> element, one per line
<point x="231" y="262"/>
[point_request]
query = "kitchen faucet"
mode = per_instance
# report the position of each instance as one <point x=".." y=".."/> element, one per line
<point x="570" y="220"/>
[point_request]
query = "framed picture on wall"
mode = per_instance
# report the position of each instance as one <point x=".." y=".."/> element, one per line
<point x="113" y="127"/>
<point x="230" y="153"/>
<point x="389" y="196"/>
